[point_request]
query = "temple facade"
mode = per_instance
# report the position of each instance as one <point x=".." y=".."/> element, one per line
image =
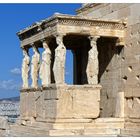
<point x="104" y="99"/>
<point x="54" y="99"/>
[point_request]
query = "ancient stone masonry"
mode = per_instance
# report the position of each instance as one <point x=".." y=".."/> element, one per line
<point x="98" y="103"/>
<point x="54" y="54"/>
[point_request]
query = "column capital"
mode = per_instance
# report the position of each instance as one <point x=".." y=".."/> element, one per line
<point x="45" y="44"/>
<point x="59" y="39"/>
<point x="120" y="41"/>
<point x="60" y="35"/>
<point x="45" y="40"/>
<point x="25" y="49"/>
<point x="22" y="47"/>
<point x="93" y="38"/>
<point x="32" y="44"/>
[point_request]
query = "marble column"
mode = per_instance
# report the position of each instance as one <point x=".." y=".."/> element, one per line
<point x="45" y="74"/>
<point x="93" y="64"/>
<point x="35" y="66"/>
<point x="59" y="62"/>
<point x="25" y="68"/>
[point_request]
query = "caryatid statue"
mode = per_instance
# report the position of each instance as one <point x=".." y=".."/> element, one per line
<point x="35" y="67"/>
<point x="93" y="64"/>
<point x="25" y="68"/>
<point x="59" y="63"/>
<point x="44" y="72"/>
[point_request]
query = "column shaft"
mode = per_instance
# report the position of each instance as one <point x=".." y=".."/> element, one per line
<point x="59" y="62"/>
<point x="45" y="74"/>
<point x="35" y="67"/>
<point x="25" y="68"/>
<point x="93" y="64"/>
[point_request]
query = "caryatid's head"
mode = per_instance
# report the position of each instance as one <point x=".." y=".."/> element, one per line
<point x="45" y="45"/>
<point x="35" y="49"/>
<point x="59" y="40"/>
<point x="93" y="40"/>
<point x="25" y="51"/>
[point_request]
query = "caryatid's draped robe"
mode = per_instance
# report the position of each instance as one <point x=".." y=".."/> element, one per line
<point x="59" y="63"/>
<point x="35" y="67"/>
<point x="25" y="69"/>
<point x="45" y="74"/>
<point x="93" y="64"/>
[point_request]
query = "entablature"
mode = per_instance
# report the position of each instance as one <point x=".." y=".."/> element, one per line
<point x="67" y="24"/>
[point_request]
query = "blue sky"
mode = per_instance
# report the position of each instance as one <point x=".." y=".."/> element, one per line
<point x="14" y="17"/>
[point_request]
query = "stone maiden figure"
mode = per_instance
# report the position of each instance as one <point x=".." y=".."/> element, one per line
<point x="93" y="64"/>
<point x="35" y="67"/>
<point x="44" y="72"/>
<point x="59" y="63"/>
<point x="25" y="68"/>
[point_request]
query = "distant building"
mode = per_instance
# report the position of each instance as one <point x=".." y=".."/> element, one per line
<point x="9" y="109"/>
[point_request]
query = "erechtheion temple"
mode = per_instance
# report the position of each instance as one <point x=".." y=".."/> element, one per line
<point x="104" y="99"/>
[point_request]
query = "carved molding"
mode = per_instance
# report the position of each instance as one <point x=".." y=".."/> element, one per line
<point x="49" y="26"/>
<point x="101" y="24"/>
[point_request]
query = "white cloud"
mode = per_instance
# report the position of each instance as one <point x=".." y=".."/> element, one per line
<point x="9" y="85"/>
<point x="15" y="71"/>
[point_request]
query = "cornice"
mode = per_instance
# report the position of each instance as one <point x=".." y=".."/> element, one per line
<point x="69" y="20"/>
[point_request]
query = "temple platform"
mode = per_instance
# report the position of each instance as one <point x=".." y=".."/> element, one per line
<point x="93" y="127"/>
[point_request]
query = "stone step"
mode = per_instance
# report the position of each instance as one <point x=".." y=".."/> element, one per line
<point x="104" y="125"/>
<point x="91" y="132"/>
<point x="65" y="133"/>
<point x="57" y="120"/>
<point x="102" y="132"/>
<point x="86" y="132"/>
<point x="26" y="134"/>
<point x="99" y="127"/>
<point x="109" y="120"/>
<point x="76" y="125"/>
<point x="33" y="131"/>
<point x="130" y="132"/>
<point x="19" y="134"/>
<point x="26" y="130"/>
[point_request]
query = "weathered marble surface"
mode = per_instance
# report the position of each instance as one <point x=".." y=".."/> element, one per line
<point x="120" y="103"/>
<point x="62" y="101"/>
<point x="25" y="68"/>
<point x="59" y="62"/>
<point x="35" y="67"/>
<point x="44" y="73"/>
<point x="93" y="62"/>
<point x="117" y="78"/>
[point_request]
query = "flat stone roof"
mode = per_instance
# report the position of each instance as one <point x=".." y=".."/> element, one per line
<point x="70" y="24"/>
<point x="67" y="17"/>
